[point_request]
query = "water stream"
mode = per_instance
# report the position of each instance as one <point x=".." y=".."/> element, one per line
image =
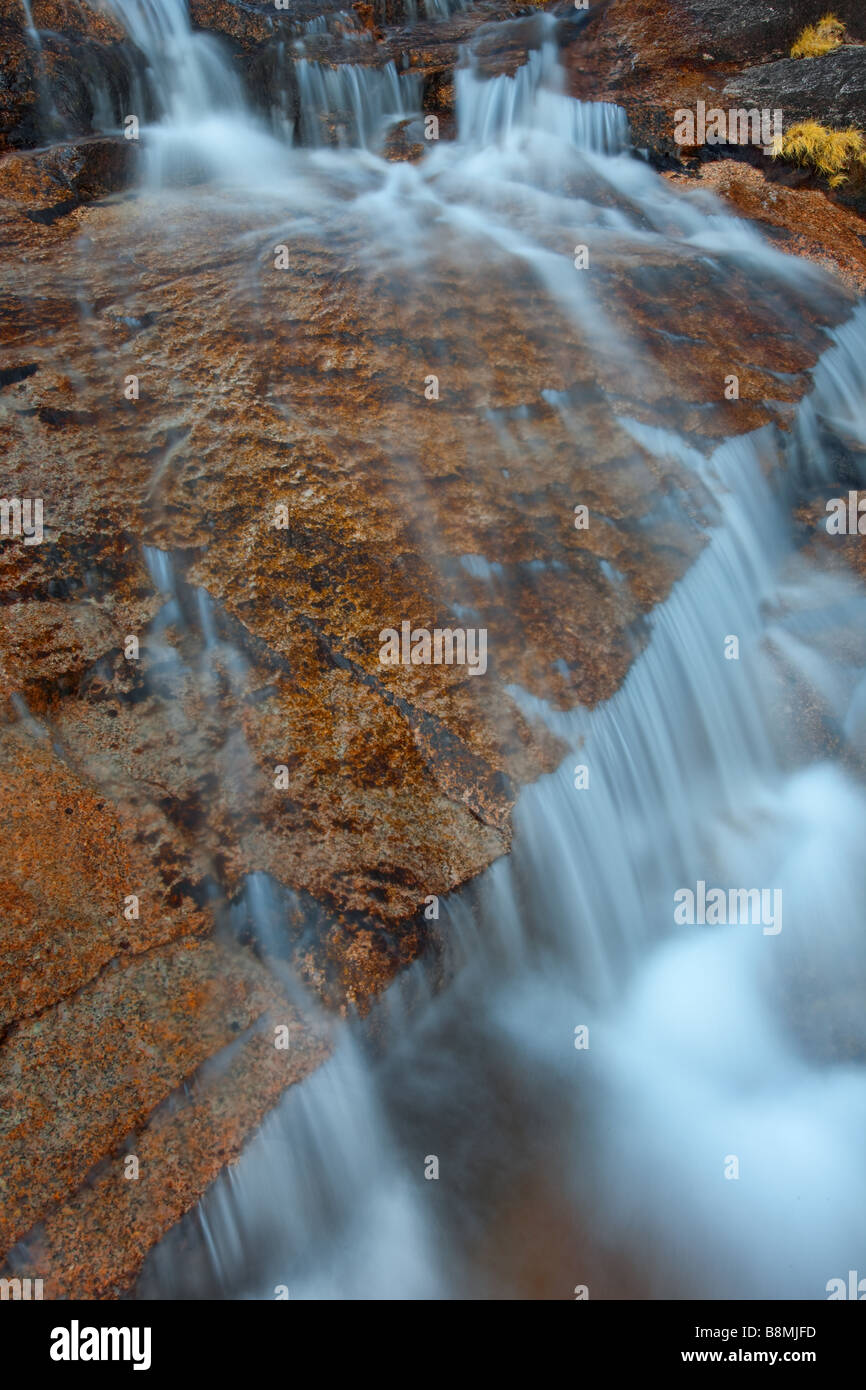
<point x="604" y="1166"/>
<point x="561" y="1166"/>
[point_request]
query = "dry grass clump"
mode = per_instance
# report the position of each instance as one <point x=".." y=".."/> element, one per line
<point x="818" y="39"/>
<point x="836" y="154"/>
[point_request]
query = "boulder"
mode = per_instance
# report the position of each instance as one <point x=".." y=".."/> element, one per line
<point x="831" y="89"/>
<point x="50" y="87"/>
<point x="48" y="183"/>
<point x="746" y="31"/>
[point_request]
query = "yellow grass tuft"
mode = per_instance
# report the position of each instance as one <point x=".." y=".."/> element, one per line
<point x="818" y="39"/>
<point x="834" y="153"/>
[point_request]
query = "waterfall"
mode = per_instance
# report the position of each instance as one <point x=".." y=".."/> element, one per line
<point x="189" y="71"/>
<point x="605" y="1165"/>
<point x="360" y="101"/>
<point x="503" y="107"/>
<point x="692" y="1053"/>
<point x="206" y="129"/>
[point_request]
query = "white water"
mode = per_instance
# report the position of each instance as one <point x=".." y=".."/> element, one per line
<point x="501" y="107"/>
<point x="704" y="1042"/>
<point x="364" y="100"/>
<point x="204" y="129"/>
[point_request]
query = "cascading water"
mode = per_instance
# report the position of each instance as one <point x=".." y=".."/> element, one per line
<point x="499" y="107"/>
<point x="204" y="128"/>
<point x="603" y="1166"/>
<point x="559" y="1166"/>
<point x="361" y="100"/>
<point x="188" y="69"/>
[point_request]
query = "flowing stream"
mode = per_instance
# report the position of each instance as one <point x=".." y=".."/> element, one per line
<point x="608" y="1166"/>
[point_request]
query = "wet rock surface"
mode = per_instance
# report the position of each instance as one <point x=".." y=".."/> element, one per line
<point x="275" y="491"/>
<point x="800" y="221"/>
<point x="55" y="74"/>
<point x="44" y="185"/>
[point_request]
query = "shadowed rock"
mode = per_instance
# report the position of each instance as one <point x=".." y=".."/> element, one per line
<point x="831" y="89"/>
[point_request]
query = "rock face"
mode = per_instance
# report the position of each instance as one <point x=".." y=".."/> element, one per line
<point x="656" y="59"/>
<point x="743" y="31"/>
<point x="833" y="86"/>
<point x="51" y="86"/>
<point x="208" y="770"/>
<point x="47" y="184"/>
<point x="107" y="1023"/>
